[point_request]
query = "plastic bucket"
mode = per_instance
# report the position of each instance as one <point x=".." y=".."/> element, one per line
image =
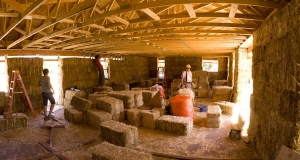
<point x="202" y="108"/>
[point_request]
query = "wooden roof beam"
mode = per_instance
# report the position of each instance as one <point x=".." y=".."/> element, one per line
<point x="189" y="8"/>
<point x="233" y="10"/>
<point x="29" y="10"/>
<point x="15" y="5"/>
<point x="79" y="8"/>
<point x="119" y="19"/>
<point x="150" y="13"/>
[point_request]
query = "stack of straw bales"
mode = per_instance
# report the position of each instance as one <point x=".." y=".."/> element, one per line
<point x="118" y="133"/>
<point x="102" y="89"/>
<point x="175" y="86"/>
<point x="2" y="102"/>
<point x="134" y="117"/>
<point x="226" y="107"/>
<point x="93" y="97"/>
<point x="111" y="105"/>
<point x="138" y="97"/>
<point x="149" y="118"/>
<point x="30" y="70"/>
<point x="78" y="111"/>
<point x="220" y="82"/>
<point x="96" y="117"/>
<point x="109" y="151"/>
<point x="69" y="95"/>
<point x="17" y="121"/>
<point x="174" y="124"/>
<point x="222" y="93"/>
<point x="147" y="95"/>
<point x="213" y="116"/>
<point x="126" y="97"/>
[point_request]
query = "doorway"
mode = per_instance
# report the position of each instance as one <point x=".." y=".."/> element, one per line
<point x="52" y="66"/>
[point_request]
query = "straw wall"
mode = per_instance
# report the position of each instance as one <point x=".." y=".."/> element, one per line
<point x="275" y="104"/>
<point x="152" y="66"/>
<point x="80" y="72"/>
<point x="241" y="78"/>
<point x="175" y="65"/>
<point x="131" y="69"/>
<point x="222" y="67"/>
<point x="31" y="70"/>
<point x="231" y="64"/>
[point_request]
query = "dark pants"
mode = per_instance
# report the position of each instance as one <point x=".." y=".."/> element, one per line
<point x="101" y="81"/>
<point x="48" y="96"/>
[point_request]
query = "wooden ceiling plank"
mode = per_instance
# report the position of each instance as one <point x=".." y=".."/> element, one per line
<point x="15" y="5"/>
<point x="233" y="10"/>
<point x="150" y="13"/>
<point x="189" y="8"/>
<point x="29" y="10"/>
<point x="79" y="8"/>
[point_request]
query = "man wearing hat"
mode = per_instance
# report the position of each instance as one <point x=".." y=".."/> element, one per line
<point x="187" y="77"/>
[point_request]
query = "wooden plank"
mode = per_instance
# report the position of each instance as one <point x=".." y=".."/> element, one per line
<point x="286" y="153"/>
<point x="150" y="13"/>
<point x="29" y="10"/>
<point x="189" y="8"/>
<point x="15" y="5"/>
<point x="233" y="10"/>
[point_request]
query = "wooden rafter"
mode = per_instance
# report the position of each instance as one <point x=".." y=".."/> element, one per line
<point x="150" y="13"/>
<point x="233" y="10"/>
<point x="189" y="8"/>
<point x="15" y="5"/>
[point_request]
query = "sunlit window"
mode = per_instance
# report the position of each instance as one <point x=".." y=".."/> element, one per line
<point x="210" y="65"/>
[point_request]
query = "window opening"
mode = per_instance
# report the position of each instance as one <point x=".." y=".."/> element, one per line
<point x="161" y="68"/>
<point x="210" y="65"/>
<point x="105" y="64"/>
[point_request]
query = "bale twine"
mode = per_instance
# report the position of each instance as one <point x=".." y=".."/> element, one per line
<point x="175" y="125"/>
<point x="109" y="151"/>
<point x="118" y="133"/>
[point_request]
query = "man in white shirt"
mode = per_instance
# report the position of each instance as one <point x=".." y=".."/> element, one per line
<point x="187" y="77"/>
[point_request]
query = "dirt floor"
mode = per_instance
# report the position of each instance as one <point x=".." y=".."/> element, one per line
<point x="74" y="142"/>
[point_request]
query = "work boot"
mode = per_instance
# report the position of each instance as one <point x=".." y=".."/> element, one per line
<point x="46" y="118"/>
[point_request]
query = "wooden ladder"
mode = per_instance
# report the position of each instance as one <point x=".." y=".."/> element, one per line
<point x="17" y="77"/>
<point x="161" y="82"/>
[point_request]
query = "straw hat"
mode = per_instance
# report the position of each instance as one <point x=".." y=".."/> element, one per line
<point x="188" y="66"/>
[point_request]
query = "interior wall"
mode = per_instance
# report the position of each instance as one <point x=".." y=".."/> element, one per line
<point x="80" y="72"/>
<point x="222" y="68"/>
<point x="133" y="68"/>
<point x="31" y="70"/>
<point x="175" y="65"/>
<point x="274" y="119"/>
<point x="152" y="66"/>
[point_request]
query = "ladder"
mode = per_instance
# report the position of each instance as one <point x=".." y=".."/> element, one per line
<point x="17" y="77"/>
<point x="161" y="82"/>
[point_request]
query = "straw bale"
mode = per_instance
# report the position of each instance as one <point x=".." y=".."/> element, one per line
<point x="202" y="92"/>
<point x="148" y="83"/>
<point x="138" y="98"/>
<point x="96" y="117"/>
<point x="149" y="118"/>
<point x="175" y="124"/>
<point x="220" y="82"/>
<point x="161" y="111"/>
<point x="103" y="88"/>
<point x="222" y="93"/>
<point x="73" y="115"/>
<point x="147" y="95"/>
<point x="110" y="104"/>
<point x="119" y="117"/>
<point x="134" y="117"/>
<point x="138" y="89"/>
<point x="18" y="120"/>
<point x="93" y="97"/>
<point x="108" y="151"/>
<point x="213" y="111"/>
<point x="213" y="122"/>
<point x="187" y="92"/>
<point x="128" y="99"/>
<point x="118" y="133"/>
<point x="226" y="107"/>
<point x="144" y="107"/>
<point x="67" y="102"/>
<point x="174" y="88"/>
<point x="177" y="80"/>
<point x="69" y="94"/>
<point x="81" y="104"/>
